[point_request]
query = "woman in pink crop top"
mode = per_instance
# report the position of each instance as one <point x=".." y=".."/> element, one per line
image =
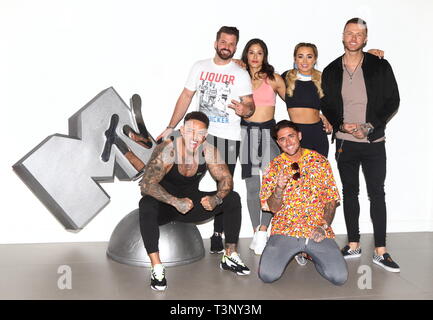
<point x="258" y="148"/>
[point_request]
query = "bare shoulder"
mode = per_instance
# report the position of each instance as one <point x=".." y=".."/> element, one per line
<point x="278" y="77"/>
<point x="164" y="152"/>
<point x="278" y="81"/>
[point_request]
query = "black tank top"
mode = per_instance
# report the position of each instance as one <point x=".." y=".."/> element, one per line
<point x="181" y="186"/>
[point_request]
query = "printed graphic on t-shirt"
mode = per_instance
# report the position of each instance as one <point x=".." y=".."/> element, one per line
<point x="214" y="91"/>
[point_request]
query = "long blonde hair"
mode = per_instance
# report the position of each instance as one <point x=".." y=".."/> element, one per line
<point x="316" y="75"/>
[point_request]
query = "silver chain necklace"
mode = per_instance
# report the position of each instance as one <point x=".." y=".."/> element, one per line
<point x="353" y="73"/>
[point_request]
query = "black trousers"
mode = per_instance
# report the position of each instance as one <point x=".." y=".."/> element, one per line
<point x="154" y="213"/>
<point x="314" y="137"/>
<point x="372" y="158"/>
<point x="229" y="150"/>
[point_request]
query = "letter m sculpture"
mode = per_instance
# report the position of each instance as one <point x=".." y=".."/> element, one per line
<point x="64" y="171"/>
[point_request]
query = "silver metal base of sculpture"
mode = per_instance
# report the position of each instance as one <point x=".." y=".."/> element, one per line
<point x="179" y="243"/>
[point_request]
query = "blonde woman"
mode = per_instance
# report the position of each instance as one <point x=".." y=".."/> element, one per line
<point x="303" y="94"/>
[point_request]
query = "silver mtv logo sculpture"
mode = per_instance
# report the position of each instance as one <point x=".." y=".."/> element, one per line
<point x="65" y="171"/>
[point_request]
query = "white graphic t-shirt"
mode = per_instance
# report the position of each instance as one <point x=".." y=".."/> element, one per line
<point x="216" y="86"/>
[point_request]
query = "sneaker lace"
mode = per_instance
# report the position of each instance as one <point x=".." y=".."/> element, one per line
<point x="234" y="256"/>
<point x="158" y="275"/>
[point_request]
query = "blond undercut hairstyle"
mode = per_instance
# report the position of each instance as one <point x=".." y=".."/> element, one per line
<point x="316" y="75"/>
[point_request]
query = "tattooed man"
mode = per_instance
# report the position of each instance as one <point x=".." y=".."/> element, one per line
<point x="299" y="188"/>
<point x="170" y="192"/>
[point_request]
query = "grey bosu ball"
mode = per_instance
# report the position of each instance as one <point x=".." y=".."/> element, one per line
<point x="179" y="243"/>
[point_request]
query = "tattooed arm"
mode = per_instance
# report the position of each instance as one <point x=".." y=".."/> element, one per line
<point x="220" y="173"/>
<point x="329" y="212"/>
<point x="276" y="199"/>
<point x="328" y="216"/>
<point x="245" y="108"/>
<point x="160" y="163"/>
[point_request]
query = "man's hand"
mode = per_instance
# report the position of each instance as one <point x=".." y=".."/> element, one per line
<point x="240" y="109"/>
<point x="318" y="234"/>
<point x="348" y="127"/>
<point x="282" y="180"/>
<point x="377" y="52"/>
<point x="183" y="205"/>
<point x="209" y="202"/>
<point x="354" y="129"/>
<point x="164" y="134"/>
<point x="359" y="133"/>
<point x="276" y="199"/>
<point x="245" y="108"/>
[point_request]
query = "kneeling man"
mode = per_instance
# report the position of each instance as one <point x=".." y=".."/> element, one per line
<point x="299" y="188"/>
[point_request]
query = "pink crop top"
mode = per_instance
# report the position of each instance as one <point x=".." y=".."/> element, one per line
<point x="264" y="95"/>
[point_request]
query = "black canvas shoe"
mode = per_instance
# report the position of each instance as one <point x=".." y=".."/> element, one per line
<point x="386" y="262"/>
<point x="158" y="282"/>
<point x="234" y="263"/>
<point x="216" y="243"/>
<point x="349" y="253"/>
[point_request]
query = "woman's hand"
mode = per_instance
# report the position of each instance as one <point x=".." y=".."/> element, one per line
<point x="240" y="63"/>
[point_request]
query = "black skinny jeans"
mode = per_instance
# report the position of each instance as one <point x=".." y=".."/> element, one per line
<point x="372" y="158"/>
<point x="154" y="213"/>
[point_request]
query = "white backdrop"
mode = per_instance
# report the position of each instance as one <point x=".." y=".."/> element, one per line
<point x="57" y="55"/>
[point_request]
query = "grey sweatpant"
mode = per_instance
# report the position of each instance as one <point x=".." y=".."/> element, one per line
<point x="327" y="258"/>
<point x="269" y="151"/>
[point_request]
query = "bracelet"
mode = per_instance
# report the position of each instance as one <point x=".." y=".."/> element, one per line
<point x="170" y="127"/>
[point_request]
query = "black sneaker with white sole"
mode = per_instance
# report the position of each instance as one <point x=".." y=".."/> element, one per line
<point x="349" y="253"/>
<point x="234" y="263"/>
<point x="216" y="243"/>
<point x="158" y="282"/>
<point x="386" y="262"/>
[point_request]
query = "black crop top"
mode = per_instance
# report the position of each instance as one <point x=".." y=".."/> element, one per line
<point x="305" y="95"/>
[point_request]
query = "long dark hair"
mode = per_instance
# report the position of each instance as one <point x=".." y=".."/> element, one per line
<point x="266" y="67"/>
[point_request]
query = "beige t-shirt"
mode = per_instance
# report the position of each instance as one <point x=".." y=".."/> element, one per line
<point x="355" y="101"/>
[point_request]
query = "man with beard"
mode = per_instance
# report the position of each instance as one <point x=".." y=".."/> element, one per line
<point x="299" y="188"/>
<point x="217" y="76"/>
<point x="170" y="189"/>
<point x="361" y="96"/>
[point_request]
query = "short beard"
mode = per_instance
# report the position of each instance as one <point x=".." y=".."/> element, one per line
<point x="224" y="57"/>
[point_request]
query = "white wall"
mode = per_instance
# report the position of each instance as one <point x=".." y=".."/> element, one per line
<point x="57" y="55"/>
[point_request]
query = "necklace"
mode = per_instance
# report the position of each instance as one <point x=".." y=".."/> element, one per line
<point x="353" y="73"/>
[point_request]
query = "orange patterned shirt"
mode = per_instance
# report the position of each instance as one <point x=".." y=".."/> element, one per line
<point x="303" y="199"/>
